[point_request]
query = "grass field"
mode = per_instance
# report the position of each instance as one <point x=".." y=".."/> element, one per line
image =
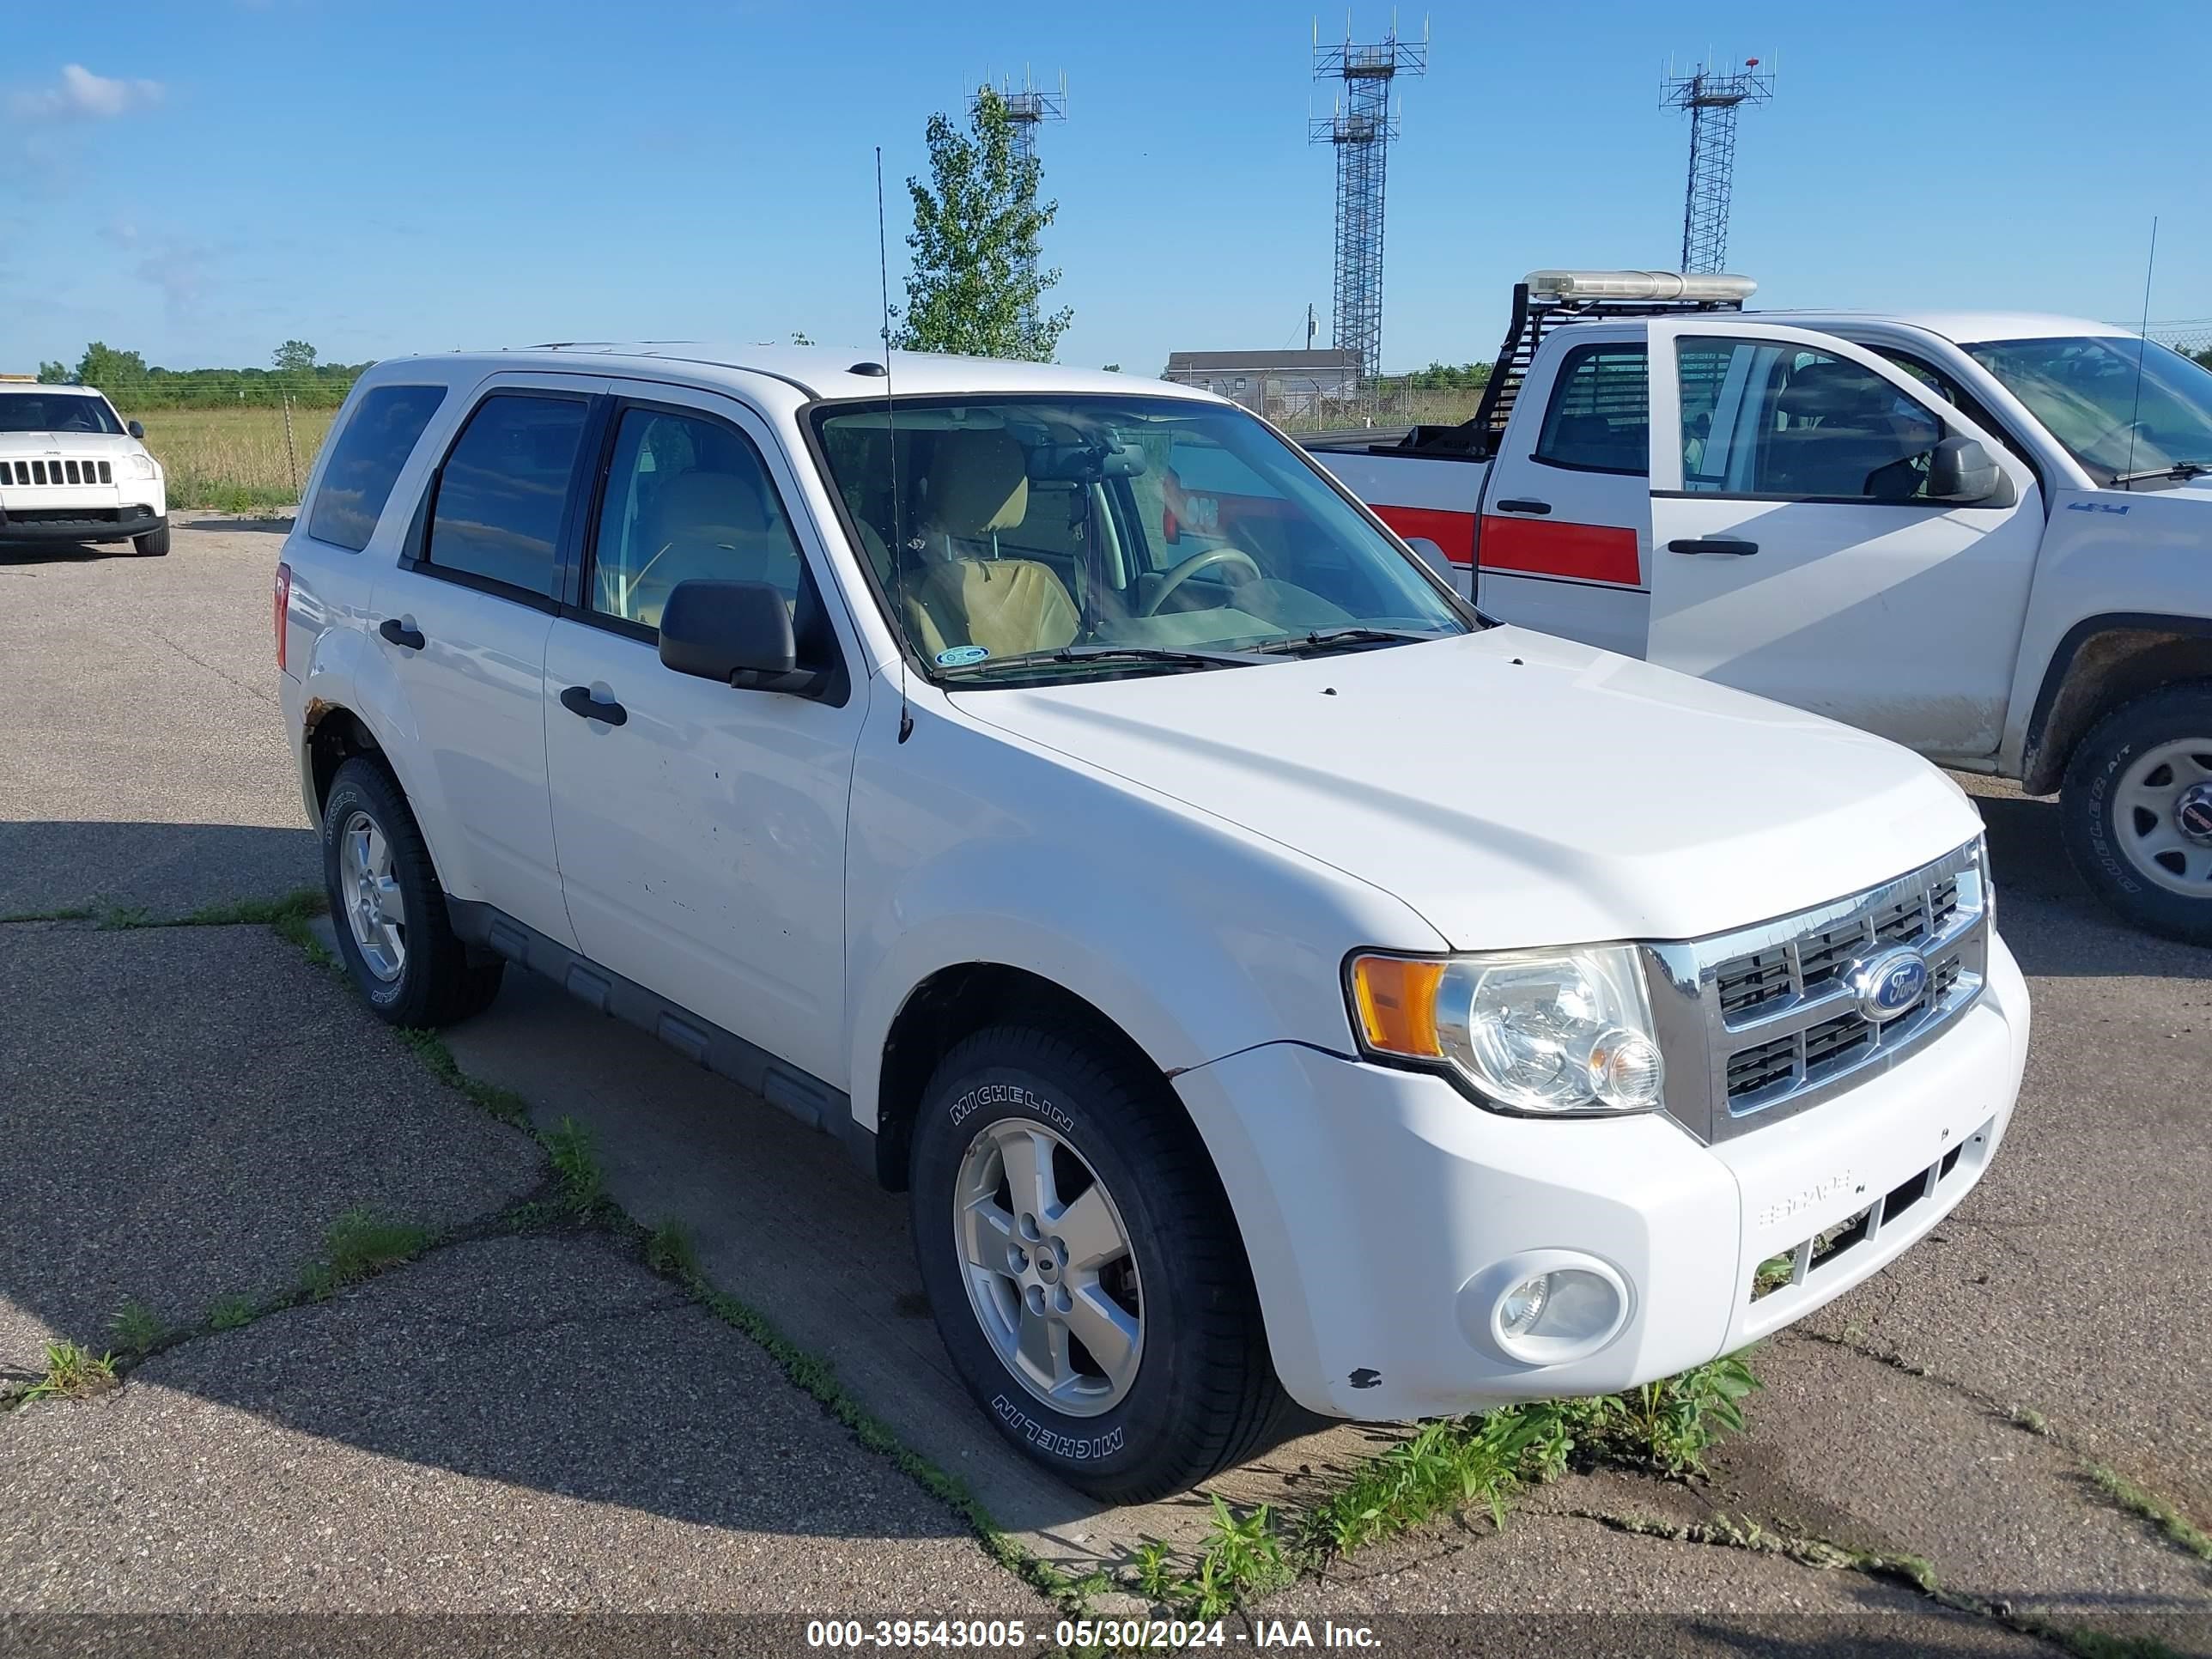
<point x="234" y="458"/>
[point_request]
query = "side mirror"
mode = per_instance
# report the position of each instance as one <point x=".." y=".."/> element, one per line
<point x="1432" y="556"/>
<point x="135" y="429"/>
<point x="739" y="632"/>
<point x="1962" y="472"/>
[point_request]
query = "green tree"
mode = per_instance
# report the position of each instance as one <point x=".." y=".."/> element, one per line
<point x="294" y="357"/>
<point x="2204" y="356"/>
<point x="976" y="276"/>
<point x="54" y="374"/>
<point x="104" y="366"/>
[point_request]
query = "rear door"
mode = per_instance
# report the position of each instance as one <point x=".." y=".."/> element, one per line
<point x="461" y="621"/>
<point x="1565" y="540"/>
<point x="1796" y="552"/>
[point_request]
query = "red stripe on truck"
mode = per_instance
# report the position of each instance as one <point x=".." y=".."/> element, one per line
<point x="1452" y="531"/>
<point x="1588" y="552"/>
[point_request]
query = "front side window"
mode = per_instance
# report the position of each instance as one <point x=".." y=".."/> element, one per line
<point x="503" y="489"/>
<point x="2123" y="410"/>
<point x="57" y="412"/>
<point x="366" y="460"/>
<point x="1763" y="417"/>
<point x="1084" y="536"/>
<point x="1600" y="418"/>
<point x="686" y="498"/>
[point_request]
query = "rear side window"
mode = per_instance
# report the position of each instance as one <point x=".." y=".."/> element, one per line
<point x="1599" y="420"/>
<point x="504" y="487"/>
<point x="375" y="444"/>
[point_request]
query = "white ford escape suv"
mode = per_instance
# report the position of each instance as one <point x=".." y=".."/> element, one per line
<point x="1267" y="976"/>
<point x="71" y="470"/>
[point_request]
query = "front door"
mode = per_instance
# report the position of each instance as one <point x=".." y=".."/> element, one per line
<point x="702" y="829"/>
<point x="1797" y="553"/>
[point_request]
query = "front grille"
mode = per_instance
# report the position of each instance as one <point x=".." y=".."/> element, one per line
<point x="1762" y="1022"/>
<point x="64" y="471"/>
<point x="1808" y="1260"/>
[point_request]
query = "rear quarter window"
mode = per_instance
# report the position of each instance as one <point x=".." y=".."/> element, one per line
<point x="365" y="462"/>
<point x="1600" y="418"/>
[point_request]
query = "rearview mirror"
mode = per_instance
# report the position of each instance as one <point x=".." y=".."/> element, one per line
<point x="739" y="632"/>
<point x="1961" y="471"/>
<point x="137" y="429"/>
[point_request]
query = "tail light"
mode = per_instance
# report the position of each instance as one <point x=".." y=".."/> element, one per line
<point x="283" y="605"/>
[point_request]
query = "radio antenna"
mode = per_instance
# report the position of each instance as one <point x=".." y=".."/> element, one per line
<point x="891" y="440"/>
<point x="2143" y="348"/>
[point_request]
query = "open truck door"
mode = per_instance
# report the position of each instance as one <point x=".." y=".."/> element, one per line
<point x="1812" y="505"/>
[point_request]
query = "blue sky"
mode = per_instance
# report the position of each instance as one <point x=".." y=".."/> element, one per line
<point x="211" y="178"/>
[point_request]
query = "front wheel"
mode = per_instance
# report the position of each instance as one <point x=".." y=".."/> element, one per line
<point x="1085" y="1272"/>
<point x="2137" y="808"/>
<point x="154" y="544"/>
<point x="394" y="934"/>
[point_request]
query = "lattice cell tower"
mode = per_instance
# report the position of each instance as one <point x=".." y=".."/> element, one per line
<point x="1027" y="107"/>
<point x="1361" y="128"/>
<point x="1712" y="97"/>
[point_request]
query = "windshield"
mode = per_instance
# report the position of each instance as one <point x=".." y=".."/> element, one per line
<point x="56" y="411"/>
<point x="1087" y="537"/>
<point x="2086" y="391"/>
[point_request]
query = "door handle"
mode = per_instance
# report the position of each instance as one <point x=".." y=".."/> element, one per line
<point x="400" y="633"/>
<point x="578" y="700"/>
<point x="1520" y="506"/>
<point x="1713" y="544"/>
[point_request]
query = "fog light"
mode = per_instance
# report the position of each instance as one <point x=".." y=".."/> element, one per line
<point x="1545" y="1307"/>
<point x="1523" y="1305"/>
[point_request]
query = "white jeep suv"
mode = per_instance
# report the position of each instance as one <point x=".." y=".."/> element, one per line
<point x="1267" y="977"/>
<point x="71" y="470"/>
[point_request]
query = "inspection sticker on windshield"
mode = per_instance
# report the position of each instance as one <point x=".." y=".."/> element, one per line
<point x="960" y="656"/>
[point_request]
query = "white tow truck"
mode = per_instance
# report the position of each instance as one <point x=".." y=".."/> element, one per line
<point x="1986" y="536"/>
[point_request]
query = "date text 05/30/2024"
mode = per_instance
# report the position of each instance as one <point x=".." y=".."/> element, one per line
<point x="1165" y="1635"/>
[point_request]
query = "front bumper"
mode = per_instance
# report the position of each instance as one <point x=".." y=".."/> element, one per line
<point x="1377" y="1207"/>
<point x="46" y="524"/>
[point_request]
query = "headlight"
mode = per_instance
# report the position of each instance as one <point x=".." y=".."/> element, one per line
<point x="142" y="466"/>
<point x="1547" y="1032"/>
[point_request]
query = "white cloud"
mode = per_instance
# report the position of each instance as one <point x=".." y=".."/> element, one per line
<point x="84" y="95"/>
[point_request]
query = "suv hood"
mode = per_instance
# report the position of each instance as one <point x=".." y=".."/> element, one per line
<point x="1517" y="789"/>
<point x="68" y="443"/>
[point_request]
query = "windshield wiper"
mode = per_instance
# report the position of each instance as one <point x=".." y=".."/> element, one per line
<point x="1323" y="639"/>
<point x="1087" y="653"/>
<point x="2177" y="470"/>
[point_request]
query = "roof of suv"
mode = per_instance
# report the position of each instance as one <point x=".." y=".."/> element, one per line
<point x="827" y="370"/>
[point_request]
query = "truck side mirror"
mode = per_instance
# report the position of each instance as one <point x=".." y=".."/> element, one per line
<point x="739" y="632"/>
<point x="137" y="429"/>
<point x="1961" y="471"/>
<point x="1432" y="556"/>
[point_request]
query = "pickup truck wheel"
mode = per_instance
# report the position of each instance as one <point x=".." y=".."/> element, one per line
<point x="1085" y="1272"/>
<point x="389" y="910"/>
<point x="2137" y="807"/>
<point x="154" y="544"/>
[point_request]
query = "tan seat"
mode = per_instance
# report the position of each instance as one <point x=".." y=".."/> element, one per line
<point x="978" y="484"/>
<point x="711" y="525"/>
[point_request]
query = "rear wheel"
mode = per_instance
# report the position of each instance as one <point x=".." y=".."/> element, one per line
<point x="2137" y="807"/>
<point x="154" y="544"/>
<point x="394" y="934"/>
<point x="1083" y="1267"/>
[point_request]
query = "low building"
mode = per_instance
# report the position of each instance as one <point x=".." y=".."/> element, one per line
<point x="1272" y="383"/>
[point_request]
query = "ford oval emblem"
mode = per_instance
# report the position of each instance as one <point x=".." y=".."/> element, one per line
<point x="1888" y="984"/>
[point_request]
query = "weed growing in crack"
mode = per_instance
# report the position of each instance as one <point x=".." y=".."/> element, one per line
<point x="583" y="1183"/>
<point x="2179" y="1530"/>
<point x="1666" y="1426"/>
<point x="504" y="1104"/>
<point x="296" y="930"/>
<point x="118" y="918"/>
<point x="137" y="1330"/>
<point x="669" y="1251"/>
<point x="229" y="1313"/>
<point x="71" y="1373"/>
<point x="300" y="905"/>
<point x="69" y="913"/>
<point x="359" y="1245"/>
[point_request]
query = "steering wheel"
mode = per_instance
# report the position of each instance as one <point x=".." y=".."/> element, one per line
<point x="1198" y="561"/>
<point x="2114" y="433"/>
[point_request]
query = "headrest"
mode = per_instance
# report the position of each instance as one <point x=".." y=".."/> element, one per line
<point x="978" y="481"/>
<point x="1833" y="390"/>
<point x="703" y="503"/>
